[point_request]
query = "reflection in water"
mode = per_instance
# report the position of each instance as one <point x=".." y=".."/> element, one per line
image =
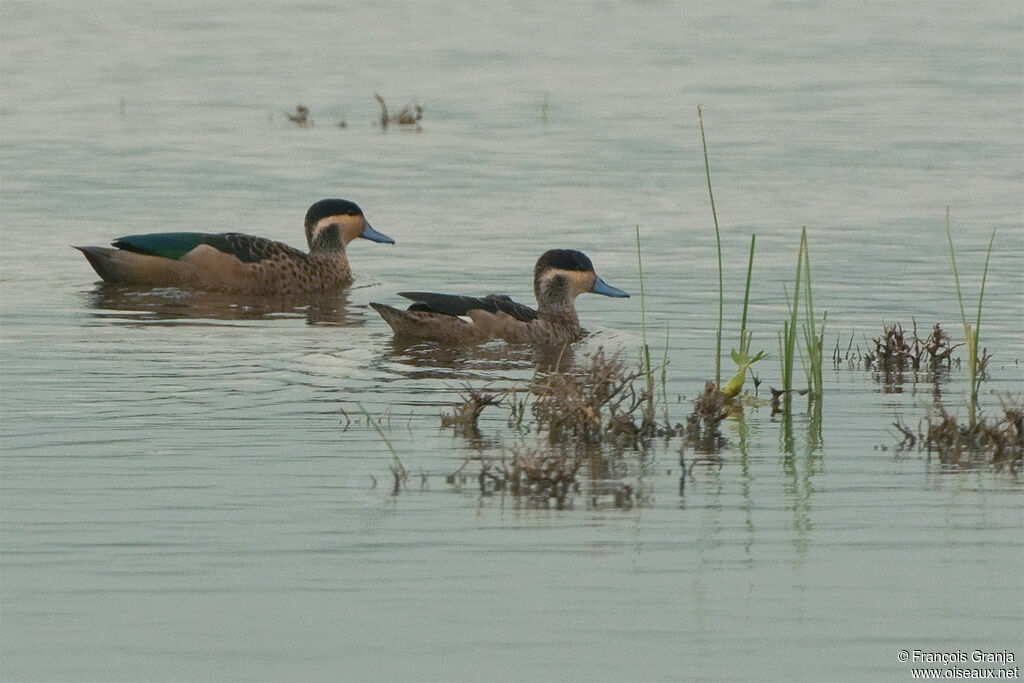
<point x="166" y="304"/>
<point x="417" y="359"/>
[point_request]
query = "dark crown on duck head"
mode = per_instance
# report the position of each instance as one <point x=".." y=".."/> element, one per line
<point x="331" y="207"/>
<point x="562" y="259"/>
<point x="324" y="209"/>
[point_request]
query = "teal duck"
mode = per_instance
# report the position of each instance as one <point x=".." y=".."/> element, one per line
<point x="559" y="276"/>
<point x="240" y="263"/>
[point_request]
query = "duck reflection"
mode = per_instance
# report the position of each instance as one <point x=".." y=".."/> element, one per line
<point x="497" y="361"/>
<point x="169" y="304"/>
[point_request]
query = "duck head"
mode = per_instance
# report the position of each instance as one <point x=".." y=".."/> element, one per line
<point x="562" y="274"/>
<point x="333" y="223"/>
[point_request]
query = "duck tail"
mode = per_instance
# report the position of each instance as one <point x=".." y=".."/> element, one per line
<point x="100" y="260"/>
<point x="118" y="265"/>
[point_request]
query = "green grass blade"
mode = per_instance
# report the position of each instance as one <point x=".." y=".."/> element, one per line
<point x="744" y="338"/>
<point x="643" y="331"/>
<point x="956" y="275"/>
<point x="718" y="242"/>
<point x="981" y="296"/>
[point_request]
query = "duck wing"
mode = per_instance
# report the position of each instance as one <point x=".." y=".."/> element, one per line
<point x="454" y="304"/>
<point x="174" y="245"/>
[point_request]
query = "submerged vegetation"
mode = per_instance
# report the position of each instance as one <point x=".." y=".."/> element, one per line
<point x="997" y="441"/>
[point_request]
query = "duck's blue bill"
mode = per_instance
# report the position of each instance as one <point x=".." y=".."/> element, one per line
<point x="602" y="287"/>
<point x="371" y="234"/>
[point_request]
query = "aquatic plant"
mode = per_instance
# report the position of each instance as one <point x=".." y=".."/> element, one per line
<point x="811" y="357"/>
<point x="597" y="402"/>
<point x="742" y="356"/>
<point x="543" y="473"/>
<point x="993" y="441"/>
<point x="971" y="335"/>
<point x="787" y="338"/>
<point x="465" y="414"/>
<point x="813" y="339"/>
<point x="709" y="409"/>
<point x="896" y="350"/>
<point x="814" y="342"/>
<point x="589" y="413"/>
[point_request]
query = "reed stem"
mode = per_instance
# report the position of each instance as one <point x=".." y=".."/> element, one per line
<point x="643" y="331"/>
<point x="744" y="338"/>
<point x="814" y="342"/>
<point x="718" y="242"/>
<point x="971" y="336"/>
<point x="790" y="327"/>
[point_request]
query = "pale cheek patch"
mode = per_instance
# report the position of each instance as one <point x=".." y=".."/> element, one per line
<point x="575" y="281"/>
<point x="349" y="227"/>
<point x="580" y="281"/>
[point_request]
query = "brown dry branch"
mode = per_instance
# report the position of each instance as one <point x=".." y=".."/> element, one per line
<point x="939" y="348"/>
<point x="409" y="115"/>
<point x="542" y="475"/>
<point x="896" y="350"/>
<point x="465" y="414"/>
<point x="597" y="402"/>
<point x="996" y="441"/>
<point x="709" y="409"/>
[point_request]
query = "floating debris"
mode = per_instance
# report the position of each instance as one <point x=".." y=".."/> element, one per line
<point x="301" y="117"/>
<point x="410" y="114"/>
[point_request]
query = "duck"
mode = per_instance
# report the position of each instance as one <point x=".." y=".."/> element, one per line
<point x="235" y="262"/>
<point x="558" y="278"/>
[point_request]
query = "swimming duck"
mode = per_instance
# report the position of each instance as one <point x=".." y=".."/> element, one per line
<point x="559" y="276"/>
<point x="240" y="263"/>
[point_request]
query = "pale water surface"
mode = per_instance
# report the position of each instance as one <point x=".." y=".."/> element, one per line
<point x="183" y="496"/>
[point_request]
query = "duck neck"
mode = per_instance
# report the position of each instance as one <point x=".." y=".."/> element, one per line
<point x="553" y="299"/>
<point x="327" y="242"/>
